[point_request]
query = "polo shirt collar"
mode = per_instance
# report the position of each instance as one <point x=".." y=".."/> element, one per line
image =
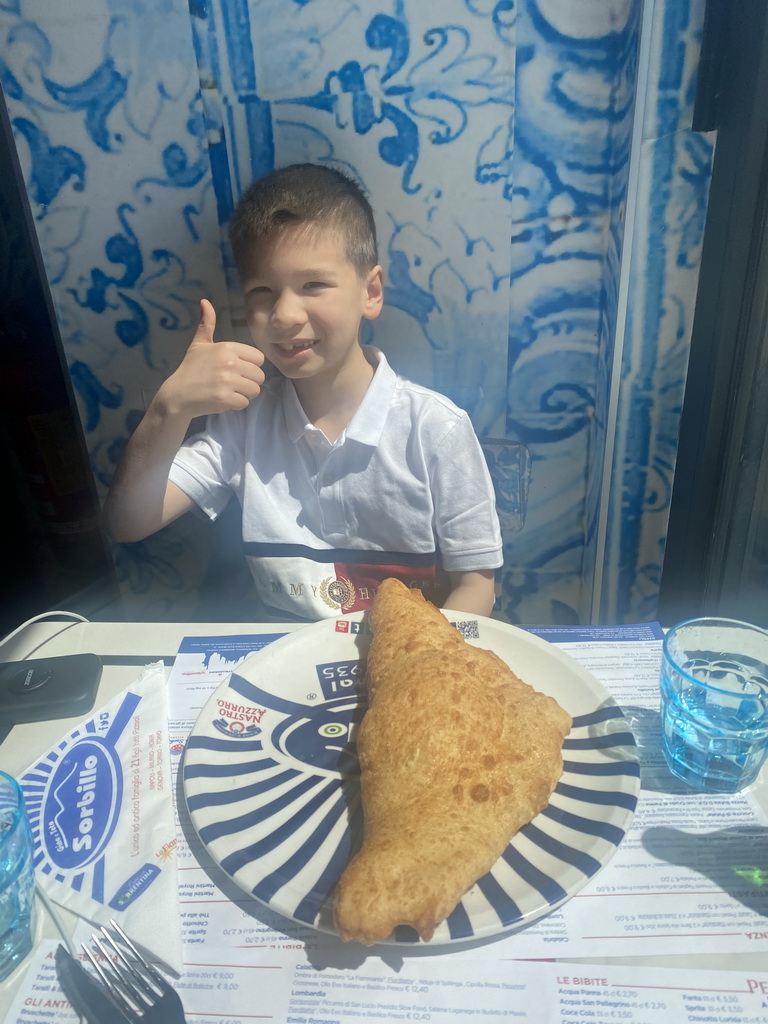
<point x="296" y="421"/>
<point x="367" y="424"/>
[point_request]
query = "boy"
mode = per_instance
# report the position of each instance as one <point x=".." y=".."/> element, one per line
<point x="346" y="473"/>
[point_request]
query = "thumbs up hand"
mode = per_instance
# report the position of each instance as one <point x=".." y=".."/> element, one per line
<point x="207" y="325"/>
<point x="213" y="376"/>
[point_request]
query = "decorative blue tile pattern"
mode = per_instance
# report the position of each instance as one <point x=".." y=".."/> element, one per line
<point x="675" y="168"/>
<point x="494" y="138"/>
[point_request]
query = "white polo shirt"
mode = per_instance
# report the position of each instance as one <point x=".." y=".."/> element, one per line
<point x="404" y="491"/>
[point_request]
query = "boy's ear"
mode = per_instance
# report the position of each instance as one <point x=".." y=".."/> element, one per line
<point x="374" y="293"/>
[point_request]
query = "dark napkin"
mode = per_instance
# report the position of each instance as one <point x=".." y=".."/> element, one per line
<point x="88" y="997"/>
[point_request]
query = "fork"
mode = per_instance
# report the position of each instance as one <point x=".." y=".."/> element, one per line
<point x="140" y="991"/>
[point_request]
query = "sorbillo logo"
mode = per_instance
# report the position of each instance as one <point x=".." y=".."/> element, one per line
<point x="81" y="804"/>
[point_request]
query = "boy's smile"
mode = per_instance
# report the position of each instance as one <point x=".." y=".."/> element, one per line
<point x="304" y="302"/>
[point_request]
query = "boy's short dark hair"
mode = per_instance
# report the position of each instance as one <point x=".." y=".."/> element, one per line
<point x="305" y="194"/>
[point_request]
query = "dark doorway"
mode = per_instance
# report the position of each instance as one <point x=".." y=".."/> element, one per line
<point x="716" y="559"/>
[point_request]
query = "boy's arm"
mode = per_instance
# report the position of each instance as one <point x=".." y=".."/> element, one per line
<point x="472" y="592"/>
<point x="142" y="499"/>
<point x="213" y="377"/>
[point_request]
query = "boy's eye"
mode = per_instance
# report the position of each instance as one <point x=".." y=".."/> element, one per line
<point x="259" y="290"/>
<point x="314" y="285"/>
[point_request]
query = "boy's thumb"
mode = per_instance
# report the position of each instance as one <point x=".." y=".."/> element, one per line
<point x="207" y="324"/>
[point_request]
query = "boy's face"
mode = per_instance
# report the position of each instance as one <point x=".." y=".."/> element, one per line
<point x="304" y="301"/>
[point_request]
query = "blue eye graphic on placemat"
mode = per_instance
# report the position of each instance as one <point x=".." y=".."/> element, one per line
<point x="319" y="736"/>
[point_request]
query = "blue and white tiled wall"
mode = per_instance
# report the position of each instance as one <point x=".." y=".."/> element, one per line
<point x="496" y="140"/>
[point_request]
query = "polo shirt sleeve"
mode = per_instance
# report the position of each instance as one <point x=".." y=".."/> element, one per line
<point x="466" y="524"/>
<point x="208" y="466"/>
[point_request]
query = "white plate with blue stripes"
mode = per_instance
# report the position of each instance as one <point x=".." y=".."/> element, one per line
<point x="271" y="780"/>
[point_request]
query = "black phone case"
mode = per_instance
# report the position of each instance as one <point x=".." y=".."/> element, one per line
<point x="42" y="689"/>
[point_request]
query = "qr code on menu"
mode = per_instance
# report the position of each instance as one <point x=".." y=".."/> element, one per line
<point x="469" y="630"/>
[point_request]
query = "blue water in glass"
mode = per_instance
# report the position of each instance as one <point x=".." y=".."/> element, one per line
<point x="713" y="741"/>
<point x="17" y="886"/>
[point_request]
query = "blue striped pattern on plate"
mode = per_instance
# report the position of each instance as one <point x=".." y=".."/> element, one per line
<point x="271" y="781"/>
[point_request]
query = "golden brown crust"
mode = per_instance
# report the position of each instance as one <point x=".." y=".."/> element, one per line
<point x="456" y="754"/>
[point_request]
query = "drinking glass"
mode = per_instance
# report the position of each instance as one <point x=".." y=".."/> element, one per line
<point x="17" y="878"/>
<point x="714" y="702"/>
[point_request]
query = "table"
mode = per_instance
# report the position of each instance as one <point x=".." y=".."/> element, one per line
<point x="125" y="647"/>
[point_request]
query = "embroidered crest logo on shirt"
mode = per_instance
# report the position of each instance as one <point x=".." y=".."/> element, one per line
<point x="338" y="592"/>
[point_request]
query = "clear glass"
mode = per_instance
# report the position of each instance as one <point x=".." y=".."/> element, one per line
<point x="17" y="878"/>
<point x="714" y="702"/>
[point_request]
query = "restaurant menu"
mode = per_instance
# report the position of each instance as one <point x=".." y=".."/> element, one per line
<point x="240" y="987"/>
<point x="690" y="876"/>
